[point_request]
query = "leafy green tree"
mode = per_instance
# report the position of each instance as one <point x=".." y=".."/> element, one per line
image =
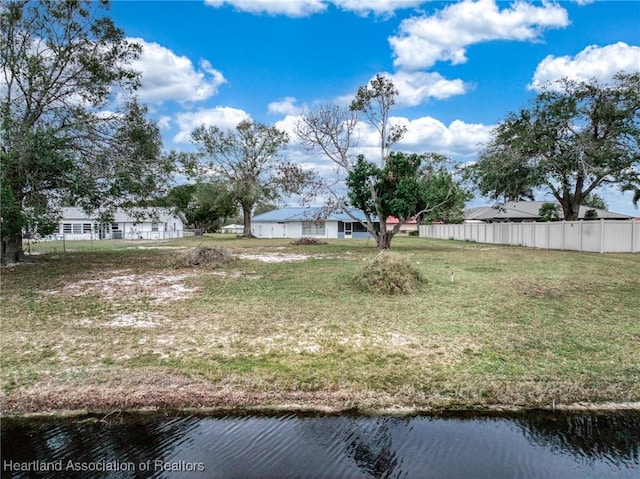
<point x="407" y="186"/>
<point x="578" y="136"/>
<point x="595" y="201"/>
<point x="205" y="206"/>
<point x="63" y="138"/>
<point x="248" y="160"/>
<point x="210" y="206"/>
<point x="334" y="130"/>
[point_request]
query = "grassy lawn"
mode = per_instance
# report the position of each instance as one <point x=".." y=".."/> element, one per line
<point x="116" y="325"/>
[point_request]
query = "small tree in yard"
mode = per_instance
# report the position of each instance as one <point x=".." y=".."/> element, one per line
<point x="247" y="159"/>
<point x="63" y="139"/>
<point x="408" y="186"/>
<point x="396" y="186"/>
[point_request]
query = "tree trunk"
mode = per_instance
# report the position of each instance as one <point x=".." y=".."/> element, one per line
<point x="570" y="210"/>
<point x="384" y="237"/>
<point x="12" y="249"/>
<point x="246" y="215"/>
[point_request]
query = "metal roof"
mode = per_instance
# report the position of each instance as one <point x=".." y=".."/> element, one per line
<point x="289" y="214"/>
<point x="529" y="210"/>
<point x="141" y="215"/>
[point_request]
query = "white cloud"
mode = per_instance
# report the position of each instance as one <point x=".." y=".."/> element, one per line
<point x="377" y="7"/>
<point x="444" y="36"/>
<point x="594" y="61"/>
<point x="458" y="140"/>
<point x="291" y="8"/>
<point x="170" y="77"/>
<point x="415" y="88"/>
<point x="225" y="118"/>
<point x="303" y="8"/>
<point x="164" y="122"/>
<point x="286" y="106"/>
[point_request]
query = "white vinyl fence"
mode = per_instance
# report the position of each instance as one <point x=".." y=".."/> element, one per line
<point x="601" y="236"/>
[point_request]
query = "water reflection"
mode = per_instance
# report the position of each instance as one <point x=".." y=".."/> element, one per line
<point x="536" y="445"/>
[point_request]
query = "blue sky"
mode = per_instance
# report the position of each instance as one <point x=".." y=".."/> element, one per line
<point x="460" y="67"/>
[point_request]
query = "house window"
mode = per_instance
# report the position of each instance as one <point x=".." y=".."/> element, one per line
<point x="115" y="226"/>
<point x="86" y="228"/>
<point x="359" y="227"/>
<point x="312" y="228"/>
<point x="154" y="226"/>
<point x="66" y="228"/>
<point x="76" y="228"/>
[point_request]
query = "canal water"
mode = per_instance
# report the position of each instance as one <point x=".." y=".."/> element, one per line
<point x="540" y="445"/>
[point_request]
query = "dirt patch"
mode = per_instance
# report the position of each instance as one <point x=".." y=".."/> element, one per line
<point x="140" y="320"/>
<point x="276" y="257"/>
<point x="157" y="286"/>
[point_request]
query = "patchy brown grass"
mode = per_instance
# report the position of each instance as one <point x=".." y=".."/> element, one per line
<point x="496" y="327"/>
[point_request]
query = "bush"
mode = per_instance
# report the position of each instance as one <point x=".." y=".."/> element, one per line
<point x="206" y="256"/>
<point x="308" y="241"/>
<point x="389" y="274"/>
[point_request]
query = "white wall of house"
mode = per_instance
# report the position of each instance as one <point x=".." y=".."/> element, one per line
<point x="76" y="225"/>
<point x="295" y="229"/>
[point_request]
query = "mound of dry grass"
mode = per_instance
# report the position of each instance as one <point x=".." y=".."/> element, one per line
<point x="308" y="241"/>
<point x="206" y="256"/>
<point x="389" y="274"/>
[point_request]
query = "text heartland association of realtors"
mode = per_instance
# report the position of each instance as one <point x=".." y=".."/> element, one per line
<point x="102" y="466"/>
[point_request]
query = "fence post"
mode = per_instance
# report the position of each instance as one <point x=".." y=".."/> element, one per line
<point x="581" y="233"/>
<point x="634" y="224"/>
<point x="602" y="235"/>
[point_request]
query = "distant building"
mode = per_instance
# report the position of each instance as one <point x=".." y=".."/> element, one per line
<point x="146" y="223"/>
<point x="407" y="227"/>
<point x="309" y="222"/>
<point x="233" y="229"/>
<point x="522" y="211"/>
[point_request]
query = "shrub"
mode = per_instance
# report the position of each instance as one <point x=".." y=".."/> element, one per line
<point x="389" y="274"/>
<point x="206" y="256"/>
<point x="308" y="241"/>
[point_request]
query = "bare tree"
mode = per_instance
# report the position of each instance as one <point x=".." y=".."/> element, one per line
<point x="333" y="131"/>
<point x="248" y="160"/>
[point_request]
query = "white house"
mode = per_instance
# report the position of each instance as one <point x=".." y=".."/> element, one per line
<point x="143" y="223"/>
<point x="304" y="222"/>
<point x="233" y="229"/>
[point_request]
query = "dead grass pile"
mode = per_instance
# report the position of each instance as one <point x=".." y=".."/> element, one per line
<point x="389" y="274"/>
<point x="211" y="256"/>
<point x="308" y="241"/>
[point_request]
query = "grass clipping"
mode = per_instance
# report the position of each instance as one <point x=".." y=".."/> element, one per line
<point x="389" y="274"/>
<point x="206" y="256"/>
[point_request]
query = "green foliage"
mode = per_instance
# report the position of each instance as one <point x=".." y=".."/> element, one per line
<point x="61" y="63"/>
<point x="591" y="215"/>
<point x="408" y="185"/>
<point x="389" y="274"/>
<point x="549" y="211"/>
<point x="595" y="201"/>
<point x="577" y="136"/>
